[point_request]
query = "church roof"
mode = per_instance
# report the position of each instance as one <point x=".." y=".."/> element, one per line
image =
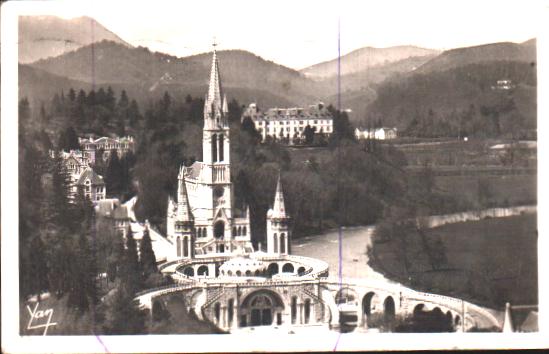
<point x="183" y="207"/>
<point x="194" y="170"/>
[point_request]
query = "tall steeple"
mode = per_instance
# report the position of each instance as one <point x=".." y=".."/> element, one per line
<point x="215" y="105"/>
<point x="279" y="209"/>
<point x="183" y="209"/>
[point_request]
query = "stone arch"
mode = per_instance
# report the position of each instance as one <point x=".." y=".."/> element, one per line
<point x="219" y="229"/>
<point x="389" y="309"/>
<point x="189" y="271"/>
<point x="261" y="307"/>
<point x="202" y="270"/>
<point x="272" y="269"/>
<point x="457" y="320"/>
<point x="288" y="268"/>
<point x="418" y="309"/>
<point x="369" y="303"/>
<point x="282" y="243"/>
<point x="345" y="295"/>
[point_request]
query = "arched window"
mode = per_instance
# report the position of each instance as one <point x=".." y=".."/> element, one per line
<point x="282" y="243"/>
<point x="221" y="148"/>
<point x="185" y="247"/>
<point x="219" y="229"/>
<point x="214" y="148"/>
<point x="307" y="310"/>
<point x="248" y="273"/>
<point x="217" y="310"/>
<point x="178" y="246"/>
<point x="202" y="270"/>
<point x="294" y="309"/>
<point x="238" y="273"/>
<point x="244" y="231"/>
<point x="230" y="308"/>
<point x="234" y="231"/>
<point x="239" y="231"/>
<point x="275" y="239"/>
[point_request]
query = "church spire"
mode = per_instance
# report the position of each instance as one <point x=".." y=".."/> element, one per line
<point x="183" y="208"/>
<point x="214" y="110"/>
<point x="279" y="209"/>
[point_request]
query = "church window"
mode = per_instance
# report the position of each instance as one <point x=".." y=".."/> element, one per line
<point x="221" y="148"/>
<point x="217" y="310"/>
<point x="282" y="243"/>
<point x="238" y="273"/>
<point x="275" y="239"/>
<point x="230" y="308"/>
<point x="214" y="148"/>
<point x="294" y="309"/>
<point x="244" y="231"/>
<point x="234" y="231"/>
<point x="185" y="247"/>
<point x="178" y="245"/>
<point x="307" y="310"/>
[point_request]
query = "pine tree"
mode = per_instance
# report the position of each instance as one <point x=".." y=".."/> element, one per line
<point x="123" y="315"/>
<point x="131" y="270"/>
<point x="114" y="175"/>
<point x="147" y="256"/>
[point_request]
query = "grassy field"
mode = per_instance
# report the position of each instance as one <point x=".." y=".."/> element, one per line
<point x="499" y="190"/>
<point x="490" y="262"/>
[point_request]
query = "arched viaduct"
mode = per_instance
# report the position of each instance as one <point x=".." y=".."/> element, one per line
<point x="304" y="300"/>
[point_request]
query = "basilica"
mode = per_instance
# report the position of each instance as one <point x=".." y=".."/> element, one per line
<point x="223" y="280"/>
<point x="203" y="220"/>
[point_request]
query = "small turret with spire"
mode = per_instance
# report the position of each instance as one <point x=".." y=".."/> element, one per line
<point x="184" y="221"/>
<point x="278" y="224"/>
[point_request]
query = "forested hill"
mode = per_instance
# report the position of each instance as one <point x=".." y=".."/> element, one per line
<point x="152" y="73"/>
<point x="461" y="100"/>
<point x="521" y="52"/>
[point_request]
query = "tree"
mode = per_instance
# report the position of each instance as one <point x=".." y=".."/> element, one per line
<point x="123" y="315"/>
<point x="309" y="134"/>
<point x="131" y="270"/>
<point x="147" y="257"/>
<point x="114" y="175"/>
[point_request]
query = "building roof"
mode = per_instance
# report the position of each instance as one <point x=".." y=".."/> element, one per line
<point x="316" y="111"/>
<point x="183" y="206"/>
<point x="90" y="174"/>
<point x="193" y="171"/>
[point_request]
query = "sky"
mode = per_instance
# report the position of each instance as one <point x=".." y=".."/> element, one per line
<point x="300" y="33"/>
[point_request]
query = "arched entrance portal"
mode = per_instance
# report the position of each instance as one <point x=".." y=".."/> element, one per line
<point x="389" y="309"/>
<point x="261" y="308"/>
<point x="219" y="230"/>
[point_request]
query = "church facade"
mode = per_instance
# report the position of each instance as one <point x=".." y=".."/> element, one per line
<point x="202" y="220"/>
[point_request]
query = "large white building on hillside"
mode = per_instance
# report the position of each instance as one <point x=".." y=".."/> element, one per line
<point x="290" y="123"/>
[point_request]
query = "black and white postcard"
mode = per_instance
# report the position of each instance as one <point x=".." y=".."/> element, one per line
<point x="218" y="176"/>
